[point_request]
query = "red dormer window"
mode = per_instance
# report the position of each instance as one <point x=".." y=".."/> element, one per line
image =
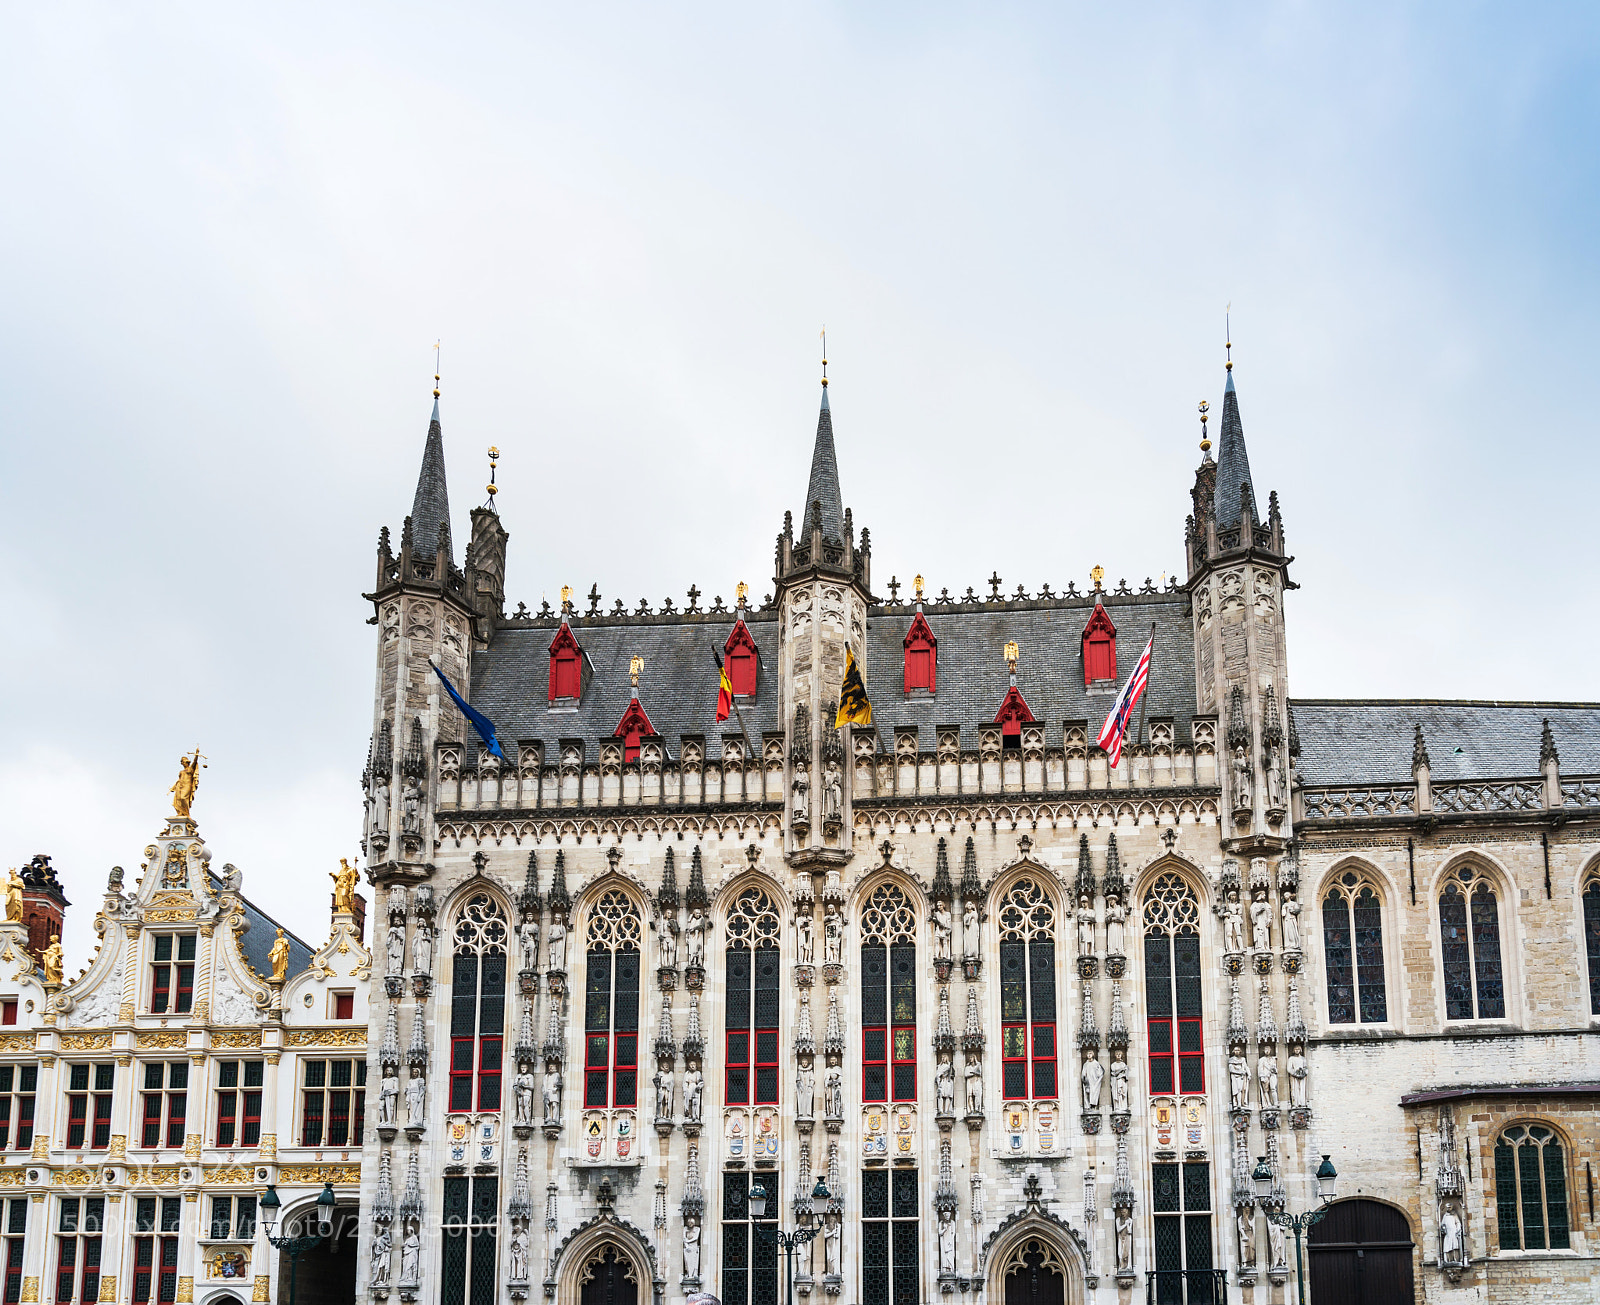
<point x="566" y="666"/>
<point x="1099" y="647"/>
<point x="633" y="727"/>
<point x="1011" y="717"/>
<point x="742" y="659"/>
<point x="922" y="655"/>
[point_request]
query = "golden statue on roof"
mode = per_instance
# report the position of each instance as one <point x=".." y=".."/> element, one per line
<point x="14" y="888"/>
<point x="188" y="781"/>
<point x="344" y="888"/>
<point x="52" y="962"/>
<point x="279" y="958"/>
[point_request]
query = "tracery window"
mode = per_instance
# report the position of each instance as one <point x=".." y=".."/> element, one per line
<point x="1352" y="941"/>
<point x="1469" y="931"/>
<point x="888" y="997"/>
<point x="1530" y="1189"/>
<point x="471" y="1224"/>
<point x="753" y="1001"/>
<point x="611" y="1003"/>
<point x="478" y="1005"/>
<point x="1027" y="992"/>
<point x="749" y="1259"/>
<point x="890" y="1223"/>
<point x="1172" y="986"/>
<point x="1591" y="939"/>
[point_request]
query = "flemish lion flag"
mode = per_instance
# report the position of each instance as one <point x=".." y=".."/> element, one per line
<point x="854" y="707"/>
<point x="724" y="688"/>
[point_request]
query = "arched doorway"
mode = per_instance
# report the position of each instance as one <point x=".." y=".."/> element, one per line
<point x="1361" y="1254"/>
<point x="608" y="1278"/>
<point x="1034" y="1275"/>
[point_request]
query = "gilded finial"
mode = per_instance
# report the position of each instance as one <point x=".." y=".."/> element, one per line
<point x="566" y="598"/>
<point x="1097" y="575"/>
<point x="1205" y="439"/>
<point x="916" y="584"/>
<point x="494" y="457"/>
<point x="739" y="592"/>
<point x="635" y="665"/>
<point x="824" y="357"/>
<point x="436" y="369"/>
<point x="1011" y="656"/>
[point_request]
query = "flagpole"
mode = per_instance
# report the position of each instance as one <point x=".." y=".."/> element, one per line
<point x="1144" y="698"/>
<point x="733" y="700"/>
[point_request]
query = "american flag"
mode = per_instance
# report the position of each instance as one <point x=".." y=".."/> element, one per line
<point x="1116" y="727"/>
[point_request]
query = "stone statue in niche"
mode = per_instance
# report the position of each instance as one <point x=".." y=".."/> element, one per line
<point x="664" y="1087"/>
<point x="1124" y="1231"/>
<point x="943" y="929"/>
<point x="947" y="1243"/>
<point x="691" y="1247"/>
<point x="519" y="1255"/>
<point x="1093" y="1074"/>
<point x="833" y="1085"/>
<point x="695" y="935"/>
<point x="411" y="804"/>
<point x="1267" y="1078"/>
<point x="552" y="1096"/>
<point x="1452" y="1241"/>
<point x="1119" y="1087"/>
<point x="528" y="943"/>
<point x="1291" y="925"/>
<point x="1261" y="922"/>
<point x="389" y="1099"/>
<point x="382" y="1244"/>
<point x="1085" y="927"/>
<point x="830" y="1247"/>
<point x="1242" y="780"/>
<point x="833" y="939"/>
<point x="944" y="1083"/>
<point x="410" y="1259"/>
<point x="974" y="1077"/>
<point x="1274" y="781"/>
<point x="832" y="792"/>
<point x="380" y="806"/>
<point x="557" y="944"/>
<point x="416" y="1099"/>
<point x="805" y="1091"/>
<point x="692" y="1082"/>
<point x="969" y="929"/>
<point x="805" y="940"/>
<point x="1247" y="1236"/>
<point x="1116" y="914"/>
<point x="1233" y="923"/>
<point x="801" y="788"/>
<point x="395" y="948"/>
<point x="522" y="1094"/>
<point x="422" y="950"/>
<point x="1238" y="1082"/>
<point x="1295" y="1067"/>
<point x="1275" y="1246"/>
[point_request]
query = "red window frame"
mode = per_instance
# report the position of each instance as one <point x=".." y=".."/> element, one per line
<point x="566" y="666"/>
<point x="78" y="1276"/>
<point x="611" y="1054"/>
<point x="344" y="1005"/>
<point x="328" y="1108"/>
<point x="897" y="1049"/>
<point x="1168" y="1036"/>
<point x="921" y="656"/>
<point x="14" y="1262"/>
<point x="172" y="974"/>
<point x="1025" y="1034"/>
<point x="18" y="1083"/>
<point x="163" y="1102"/>
<point x="742" y="660"/>
<point x="96" y="1090"/>
<point x="1099" y="648"/>
<point x="8" y="1012"/>
<point x="736" y="1062"/>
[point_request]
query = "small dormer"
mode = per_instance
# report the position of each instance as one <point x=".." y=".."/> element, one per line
<point x="743" y="661"/>
<point x="633" y="727"/>
<point x="922" y="656"/>
<point x="1014" y="713"/>
<point x="568" y="669"/>
<point x="1099" y="648"/>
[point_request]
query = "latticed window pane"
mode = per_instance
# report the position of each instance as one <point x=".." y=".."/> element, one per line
<point x="768" y="988"/>
<point x="875" y="1263"/>
<point x="1486" y="955"/>
<point x="627" y="1016"/>
<point x="1169" y="1244"/>
<point x="1555" y="1196"/>
<point x="454" y="1269"/>
<point x="597" y="1000"/>
<point x="1014" y="1079"/>
<point x="1532" y="1202"/>
<point x="905" y="1263"/>
<point x="1164" y="1188"/>
<point x="875" y="1194"/>
<point x="1336" y="952"/>
<point x="1042" y="978"/>
<point x="874" y="985"/>
<point x="1505" y="1193"/>
<point x="1196" y="1245"/>
<point x="1196" y="1186"/>
<point x="1456" y="954"/>
<point x="1186" y="971"/>
<point x="1591" y="941"/>
<point x="905" y="1193"/>
<point x="1157" y="974"/>
<point x="903" y="968"/>
<point x="1369" y="957"/>
<point x="1013" y="983"/>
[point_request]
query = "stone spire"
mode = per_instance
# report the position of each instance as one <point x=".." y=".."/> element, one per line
<point x="694" y="1195"/>
<point x="1115" y="885"/>
<point x="430" y="509"/>
<point x="417" y="1052"/>
<point x="971" y="885"/>
<point x="1234" y="493"/>
<point x="695" y="896"/>
<point x="667" y="894"/>
<point x="666" y="1044"/>
<point x="527" y="1050"/>
<point x="411" y="1201"/>
<point x="389" y="1049"/>
<point x="943" y="889"/>
<point x="560" y="899"/>
<point x="529" y="901"/>
<point x="1117" y="1038"/>
<point x="822" y="490"/>
<point x="383" y="1201"/>
<point x="1088" y="1031"/>
<point x="1085" y="886"/>
<point x="521" y="1206"/>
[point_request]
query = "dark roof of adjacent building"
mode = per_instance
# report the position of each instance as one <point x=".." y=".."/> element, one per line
<point x="1351" y="742"/>
<point x="430" y="508"/>
<point x="678" y="686"/>
<point x="255" y="942"/>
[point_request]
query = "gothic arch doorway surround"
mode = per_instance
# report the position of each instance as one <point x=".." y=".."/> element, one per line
<point x="1034" y="1275"/>
<point x="1034" y="1258"/>
<point x="1361" y="1254"/>
<point x="606" y="1261"/>
<point x="608" y="1277"/>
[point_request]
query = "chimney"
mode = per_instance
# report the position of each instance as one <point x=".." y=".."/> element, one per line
<point x="44" y="905"/>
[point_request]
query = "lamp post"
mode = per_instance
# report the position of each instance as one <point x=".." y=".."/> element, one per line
<point x="295" y="1247"/>
<point x="1326" y="1176"/>
<point x="788" y="1241"/>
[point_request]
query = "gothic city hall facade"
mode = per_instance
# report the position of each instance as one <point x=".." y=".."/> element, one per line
<point x="1276" y="994"/>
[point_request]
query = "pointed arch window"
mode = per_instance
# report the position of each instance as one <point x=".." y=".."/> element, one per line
<point x="753" y="1001"/>
<point x="1027" y="992"/>
<point x="742" y="659"/>
<point x="922" y="656"/>
<point x="1591" y="938"/>
<point x="478" y="1005"/>
<point x="1469" y="931"/>
<point x="1172" y="986"/>
<point x="566" y="667"/>
<point x="611" y="1003"/>
<point x="1530" y="1190"/>
<point x="1099" y="647"/>
<point x="888" y="997"/>
<point x="1352" y="943"/>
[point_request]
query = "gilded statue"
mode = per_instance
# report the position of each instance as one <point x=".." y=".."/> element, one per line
<point x="52" y="962"/>
<point x="344" y="888"/>
<point x="279" y="956"/>
<point x="14" y="888"/>
<point x="188" y="781"/>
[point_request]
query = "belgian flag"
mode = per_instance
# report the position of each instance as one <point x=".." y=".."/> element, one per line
<point x="724" y="689"/>
<point x="854" y="707"/>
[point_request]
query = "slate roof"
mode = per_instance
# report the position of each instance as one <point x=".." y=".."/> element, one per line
<point x="678" y="687"/>
<point x="430" y="509"/>
<point x="823" y="487"/>
<point x="1233" y="464"/>
<point x="256" y="941"/>
<point x="1351" y="742"/>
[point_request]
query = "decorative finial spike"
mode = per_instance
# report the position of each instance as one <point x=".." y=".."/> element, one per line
<point x="1227" y="326"/>
<point x="824" y="338"/>
<point x="436" y="369"/>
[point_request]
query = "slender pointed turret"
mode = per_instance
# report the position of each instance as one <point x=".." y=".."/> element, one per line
<point x="430" y="509"/>
<point x="822" y="490"/>
<point x="1233" y="465"/>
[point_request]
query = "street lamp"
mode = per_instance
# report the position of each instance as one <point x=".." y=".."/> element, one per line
<point x="788" y="1241"/>
<point x="1327" y="1176"/>
<point x="295" y="1247"/>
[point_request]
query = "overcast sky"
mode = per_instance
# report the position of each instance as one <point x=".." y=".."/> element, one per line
<point x="231" y="234"/>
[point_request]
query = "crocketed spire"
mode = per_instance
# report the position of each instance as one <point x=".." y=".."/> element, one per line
<point x="1233" y="465"/>
<point x="430" y="509"/>
<point x="822" y="490"/>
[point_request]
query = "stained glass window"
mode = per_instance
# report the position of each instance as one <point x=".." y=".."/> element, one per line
<point x="1027" y="992"/>
<point x="1591" y="939"/>
<point x="753" y="1000"/>
<point x="889" y="1237"/>
<point x="749" y="1258"/>
<point x="888" y="997"/>
<point x="611" y="1003"/>
<point x="1469" y="931"/>
<point x="1172" y="987"/>
<point x="1181" y="1205"/>
<point x="471" y="1222"/>
<point x="1530" y="1182"/>
<point x="478" y="1005"/>
<point x="1352" y="944"/>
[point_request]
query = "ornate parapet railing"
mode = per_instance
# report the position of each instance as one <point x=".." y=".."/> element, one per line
<point x="1581" y="791"/>
<point x="1357" y="802"/>
<point x="1478" y="795"/>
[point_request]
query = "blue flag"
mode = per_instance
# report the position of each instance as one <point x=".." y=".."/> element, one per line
<point x="480" y="722"/>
